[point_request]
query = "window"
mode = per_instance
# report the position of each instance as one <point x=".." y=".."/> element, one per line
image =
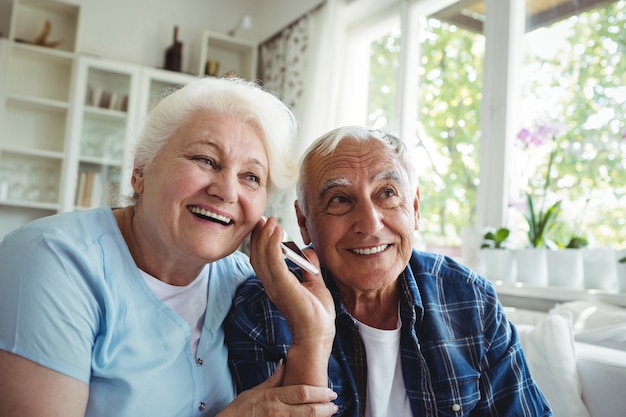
<point x="573" y="74"/>
<point x="574" y="78"/>
<point x="445" y="115"/>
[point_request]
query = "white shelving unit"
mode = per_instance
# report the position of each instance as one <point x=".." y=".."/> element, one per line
<point x="34" y="96"/>
<point x="108" y="106"/>
<point x="68" y="123"/>
<point x="232" y="54"/>
<point x="102" y="121"/>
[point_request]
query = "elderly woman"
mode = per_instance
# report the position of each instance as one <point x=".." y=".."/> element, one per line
<point x="119" y="312"/>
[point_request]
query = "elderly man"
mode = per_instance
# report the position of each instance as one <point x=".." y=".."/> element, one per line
<point x="416" y="334"/>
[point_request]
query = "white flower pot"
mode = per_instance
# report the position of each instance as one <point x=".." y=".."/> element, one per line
<point x="600" y="269"/>
<point x="498" y="264"/>
<point x="565" y="268"/>
<point x="532" y="266"/>
<point x="621" y="270"/>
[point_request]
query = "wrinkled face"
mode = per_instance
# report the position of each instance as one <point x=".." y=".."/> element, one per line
<point x="360" y="215"/>
<point x="206" y="189"/>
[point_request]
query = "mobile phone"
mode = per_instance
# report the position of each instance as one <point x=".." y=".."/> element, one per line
<point x="295" y="254"/>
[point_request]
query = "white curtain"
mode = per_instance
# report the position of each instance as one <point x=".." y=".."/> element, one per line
<point x="302" y="65"/>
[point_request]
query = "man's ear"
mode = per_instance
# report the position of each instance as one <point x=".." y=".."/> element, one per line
<point x="416" y="208"/>
<point x="137" y="180"/>
<point x="304" y="232"/>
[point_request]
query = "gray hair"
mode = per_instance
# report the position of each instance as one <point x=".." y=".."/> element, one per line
<point x="242" y="100"/>
<point x="327" y="143"/>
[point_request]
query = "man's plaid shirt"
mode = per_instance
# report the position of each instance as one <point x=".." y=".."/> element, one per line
<point x="460" y="355"/>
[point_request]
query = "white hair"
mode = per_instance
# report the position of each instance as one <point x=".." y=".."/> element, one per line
<point x="242" y="100"/>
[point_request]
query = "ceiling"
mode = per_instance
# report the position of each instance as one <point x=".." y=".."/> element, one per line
<point x="470" y="14"/>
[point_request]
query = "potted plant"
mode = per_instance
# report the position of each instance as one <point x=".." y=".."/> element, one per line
<point x="498" y="260"/>
<point x="621" y="270"/>
<point x="565" y="263"/>
<point x="540" y="215"/>
<point x="495" y="240"/>
<point x="600" y="269"/>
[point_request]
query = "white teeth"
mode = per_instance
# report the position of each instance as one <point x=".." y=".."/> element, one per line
<point x="370" y="251"/>
<point x="210" y="214"/>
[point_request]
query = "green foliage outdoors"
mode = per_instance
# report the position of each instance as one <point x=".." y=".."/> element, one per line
<point x="589" y="80"/>
<point x="449" y="121"/>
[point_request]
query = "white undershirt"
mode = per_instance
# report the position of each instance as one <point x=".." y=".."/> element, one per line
<point x="187" y="301"/>
<point x="386" y="393"/>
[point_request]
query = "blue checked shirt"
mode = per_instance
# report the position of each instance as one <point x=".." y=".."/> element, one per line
<point x="460" y="355"/>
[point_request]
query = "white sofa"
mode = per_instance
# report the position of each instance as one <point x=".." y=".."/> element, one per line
<point x="577" y="355"/>
<point x="602" y="374"/>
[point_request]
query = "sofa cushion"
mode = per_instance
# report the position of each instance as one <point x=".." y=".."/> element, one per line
<point x="548" y="345"/>
<point x="597" y="323"/>
<point x="603" y="375"/>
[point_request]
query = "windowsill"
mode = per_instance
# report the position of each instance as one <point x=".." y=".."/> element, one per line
<point x="552" y="295"/>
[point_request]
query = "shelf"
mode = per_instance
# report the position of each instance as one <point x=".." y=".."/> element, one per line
<point x="11" y="152"/>
<point x="158" y="83"/>
<point x="105" y="162"/>
<point x="96" y="186"/>
<point x="39" y="72"/>
<point x="27" y="204"/>
<point x="29" y="17"/>
<point x="33" y="124"/>
<point x="230" y="53"/>
<point x="35" y="90"/>
<point x="14" y="216"/>
<point x="29" y="180"/>
<point x="27" y="51"/>
<point x="38" y="103"/>
<point x="104" y="114"/>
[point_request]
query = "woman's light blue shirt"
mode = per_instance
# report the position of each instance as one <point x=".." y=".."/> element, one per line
<point x="72" y="299"/>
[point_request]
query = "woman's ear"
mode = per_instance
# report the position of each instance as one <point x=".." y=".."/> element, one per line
<point x="304" y="232"/>
<point x="137" y="180"/>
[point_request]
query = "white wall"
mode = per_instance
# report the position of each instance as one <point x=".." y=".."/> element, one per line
<point x="273" y="15"/>
<point x="139" y="31"/>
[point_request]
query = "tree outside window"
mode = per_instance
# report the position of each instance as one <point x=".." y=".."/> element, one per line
<point x="448" y="121"/>
<point x="574" y="74"/>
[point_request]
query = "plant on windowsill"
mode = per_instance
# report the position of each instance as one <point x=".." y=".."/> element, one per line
<point x="565" y="263"/>
<point x="621" y="270"/>
<point x="495" y="240"/>
<point x="540" y="217"/>
<point x="497" y="259"/>
<point x="577" y="242"/>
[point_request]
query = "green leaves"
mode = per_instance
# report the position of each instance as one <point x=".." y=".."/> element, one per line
<point x="577" y="242"/>
<point x="495" y="240"/>
<point x="540" y="222"/>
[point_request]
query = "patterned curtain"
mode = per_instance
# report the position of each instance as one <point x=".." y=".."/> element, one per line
<point x="282" y="61"/>
<point x="293" y="64"/>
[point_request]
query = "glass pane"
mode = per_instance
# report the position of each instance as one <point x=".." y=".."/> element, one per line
<point x="383" y="82"/>
<point x="448" y="123"/>
<point x="574" y="102"/>
<point x="447" y="120"/>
